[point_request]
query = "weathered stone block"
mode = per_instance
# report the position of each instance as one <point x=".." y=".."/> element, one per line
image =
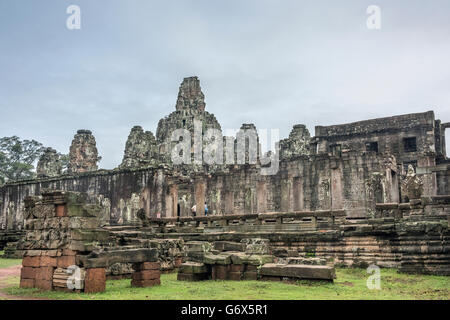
<point x="193" y="267"/>
<point x="298" y="271"/>
<point x="146" y="266"/>
<point x="237" y="267"/>
<point x="61" y="210"/>
<point x="229" y="246"/>
<point x="223" y="259"/>
<point x="83" y="223"/>
<point x="220" y="272"/>
<point x="89" y="235"/>
<point x="44" y="273"/>
<point x="31" y="261"/>
<point x="28" y="273"/>
<point x="198" y="246"/>
<point x="41" y="211"/>
<point x="257" y="260"/>
<point x="27" y="283"/>
<point x="146" y="275"/>
<point x="47" y="261"/>
<point x="95" y="280"/>
<point x="107" y="258"/>
<point x="65" y="261"/>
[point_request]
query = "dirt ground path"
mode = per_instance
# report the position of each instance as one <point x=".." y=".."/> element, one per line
<point x="6" y="273"/>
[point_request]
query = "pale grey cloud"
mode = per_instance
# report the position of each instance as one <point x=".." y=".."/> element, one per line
<point x="273" y="63"/>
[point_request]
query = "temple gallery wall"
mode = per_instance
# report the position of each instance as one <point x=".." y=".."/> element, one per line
<point x="389" y="168"/>
<point x="351" y="166"/>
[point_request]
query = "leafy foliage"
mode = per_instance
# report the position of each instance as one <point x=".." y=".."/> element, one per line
<point x="17" y="158"/>
<point x="64" y="158"/>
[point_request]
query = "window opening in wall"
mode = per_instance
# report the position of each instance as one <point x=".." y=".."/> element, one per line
<point x="336" y="150"/>
<point x="372" y="146"/>
<point x="410" y="144"/>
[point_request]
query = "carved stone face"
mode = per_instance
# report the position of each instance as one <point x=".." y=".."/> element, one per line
<point x="411" y="171"/>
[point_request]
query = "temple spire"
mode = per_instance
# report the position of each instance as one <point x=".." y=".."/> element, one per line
<point x="190" y="95"/>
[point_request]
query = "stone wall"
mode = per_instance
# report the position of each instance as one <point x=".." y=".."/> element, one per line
<point x="354" y="181"/>
<point x="412" y="237"/>
<point x="389" y="134"/>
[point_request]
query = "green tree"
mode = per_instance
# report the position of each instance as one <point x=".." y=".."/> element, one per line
<point x="64" y="158"/>
<point x="17" y="158"/>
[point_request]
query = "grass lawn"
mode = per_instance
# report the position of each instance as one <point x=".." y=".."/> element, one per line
<point x="5" y="263"/>
<point x="350" y="284"/>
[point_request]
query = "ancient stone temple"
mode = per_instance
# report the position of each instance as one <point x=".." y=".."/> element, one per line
<point x="83" y="156"/>
<point x="374" y="191"/>
<point x="49" y="164"/>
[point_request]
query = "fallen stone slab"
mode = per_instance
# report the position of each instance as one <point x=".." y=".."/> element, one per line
<point x="198" y="246"/>
<point x="307" y="261"/>
<point x="251" y="259"/>
<point x="229" y="246"/>
<point x="223" y="259"/>
<point x="108" y="258"/>
<point x="193" y="268"/>
<point x="298" y="271"/>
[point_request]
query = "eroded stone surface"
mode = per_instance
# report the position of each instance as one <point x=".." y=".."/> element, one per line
<point x="49" y="164"/>
<point x="83" y="155"/>
<point x="140" y="149"/>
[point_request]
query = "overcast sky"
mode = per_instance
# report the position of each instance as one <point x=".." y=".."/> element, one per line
<point x="272" y="63"/>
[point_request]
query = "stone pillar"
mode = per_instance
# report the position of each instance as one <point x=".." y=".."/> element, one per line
<point x="262" y="197"/>
<point x="229" y="202"/>
<point x="174" y="194"/>
<point x="169" y="204"/>
<point x="286" y="194"/>
<point x="336" y="189"/>
<point x="298" y="194"/>
<point x="146" y="274"/>
<point x="200" y="191"/>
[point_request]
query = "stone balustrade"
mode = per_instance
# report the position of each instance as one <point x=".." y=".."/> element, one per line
<point x="252" y="218"/>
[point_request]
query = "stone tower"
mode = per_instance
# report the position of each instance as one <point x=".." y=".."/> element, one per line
<point x="190" y="95"/>
<point x="140" y="149"/>
<point x="49" y="164"/>
<point x="190" y="106"/>
<point x="83" y="156"/>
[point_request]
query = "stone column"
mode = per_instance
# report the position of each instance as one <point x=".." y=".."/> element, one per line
<point x="229" y="202"/>
<point x="169" y="205"/>
<point x="286" y="194"/>
<point x="262" y="197"/>
<point x="336" y="189"/>
<point x="298" y="194"/>
<point x="200" y="191"/>
<point x="174" y="194"/>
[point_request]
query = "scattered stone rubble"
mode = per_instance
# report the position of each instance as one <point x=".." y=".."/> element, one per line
<point x="63" y="247"/>
<point x="249" y="259"/>
<point x="340" y="195"/>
